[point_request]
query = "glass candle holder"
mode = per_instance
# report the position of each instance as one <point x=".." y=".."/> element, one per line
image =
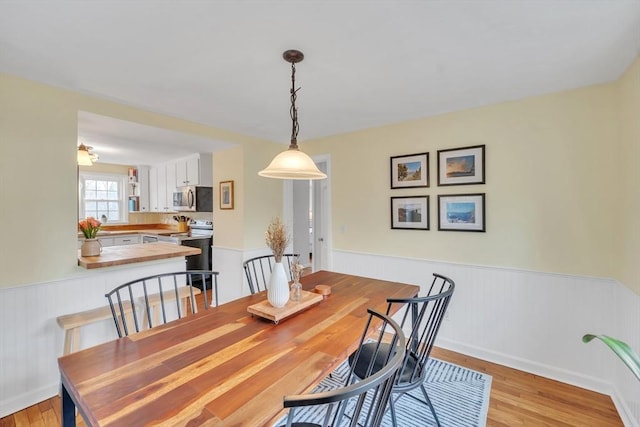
<point x="296" y="291"/>
<point x="296" y="287"/>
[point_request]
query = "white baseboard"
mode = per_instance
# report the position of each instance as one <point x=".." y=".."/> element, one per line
<point x="547" y="371"/>
<point x="18" y="403"/>
<point x="626" y="414"/>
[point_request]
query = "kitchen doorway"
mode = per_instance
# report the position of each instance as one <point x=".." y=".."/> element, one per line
<point x="308" y="203"/>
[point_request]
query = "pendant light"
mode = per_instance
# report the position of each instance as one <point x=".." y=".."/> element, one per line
<point x="293" y="163"/>
<point x="84" y="158"/>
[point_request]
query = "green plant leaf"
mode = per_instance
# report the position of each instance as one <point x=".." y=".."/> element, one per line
<point x="624" y="352"/>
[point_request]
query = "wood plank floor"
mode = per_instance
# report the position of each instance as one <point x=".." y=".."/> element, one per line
<point x="517" y="399"/>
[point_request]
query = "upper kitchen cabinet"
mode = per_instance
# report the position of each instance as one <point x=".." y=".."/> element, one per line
<point x="196" y="169"/>
<point x="143" y="188"/>
<point x="162" y="180"/>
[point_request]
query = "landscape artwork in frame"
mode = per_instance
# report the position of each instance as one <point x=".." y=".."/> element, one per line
<point x="461" y="212"/>
<point x="410" y="213"/>
<point x="410" y="171"/>
<point x="461" y="166"/>
<point x="226" y="195"/>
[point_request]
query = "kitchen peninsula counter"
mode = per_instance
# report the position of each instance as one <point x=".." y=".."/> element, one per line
<point x="128" y="229"/>
<point x="130" y="254"/>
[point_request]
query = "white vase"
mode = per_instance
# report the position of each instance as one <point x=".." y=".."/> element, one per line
<point x="278" y="291"/>
<point x="90" y="247"/>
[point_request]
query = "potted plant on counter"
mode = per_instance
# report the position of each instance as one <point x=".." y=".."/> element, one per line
<point x="91" y="245"/>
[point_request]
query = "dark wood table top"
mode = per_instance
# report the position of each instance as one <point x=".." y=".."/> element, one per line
<point x="223" y="366"/>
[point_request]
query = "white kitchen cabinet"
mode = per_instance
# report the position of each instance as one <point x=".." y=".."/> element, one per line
<point x="106" y="241"/>
<point x="143" y="189"/>
<point x="196" y="169"/>
<point x="126" y="239"/>
<point x="171" y="184"/>
<point x="153" y="189"/>
<point x="129" y="239"/>
<point x="161" y="187"/>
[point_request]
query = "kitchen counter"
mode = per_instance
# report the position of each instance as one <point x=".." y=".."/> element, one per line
<point x="129" y="254"/>
<point x="123" y="230"/>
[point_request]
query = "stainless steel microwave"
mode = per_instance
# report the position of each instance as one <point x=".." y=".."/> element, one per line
<point x="193" y="199"/>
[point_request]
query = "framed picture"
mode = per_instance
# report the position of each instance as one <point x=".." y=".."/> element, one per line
<point x="410" y="171"/>
<point x="410" y="213"/>
<point x="461" y="166"/>
<point x="461" y="212"/>
<point x="226" y="195"/>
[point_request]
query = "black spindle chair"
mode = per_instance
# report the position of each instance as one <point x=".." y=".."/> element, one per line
<point x="161" y="298"/>
<point x="258" y="270"/>
<point x="358" y="401"/>
<point x="423" y="315"/>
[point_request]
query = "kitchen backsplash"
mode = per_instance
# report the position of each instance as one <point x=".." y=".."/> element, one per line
<point x="164" y="218"/>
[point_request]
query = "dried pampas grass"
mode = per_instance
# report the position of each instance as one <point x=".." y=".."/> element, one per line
<point x="277" y="238"/>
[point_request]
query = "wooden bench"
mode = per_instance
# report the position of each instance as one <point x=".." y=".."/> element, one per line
<point x="71" y="324"/>
<point x="154" y="303"/>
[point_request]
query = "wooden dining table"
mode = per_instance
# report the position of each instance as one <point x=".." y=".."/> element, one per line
<point x="222" y="366"/>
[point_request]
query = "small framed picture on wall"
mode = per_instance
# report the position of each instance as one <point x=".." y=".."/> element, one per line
<point x="410" y="171"/>
<point x="410" y="213"/>
<point x="461" y="166"/>
<point x="461" y="212"/>
<point x="226" y="195"/>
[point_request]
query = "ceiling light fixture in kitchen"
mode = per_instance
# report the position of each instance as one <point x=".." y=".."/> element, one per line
<point x="84" y="158"/>
<point x="293" y="163"/>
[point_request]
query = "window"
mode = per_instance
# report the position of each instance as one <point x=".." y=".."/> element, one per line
<point x="102" y="197"/>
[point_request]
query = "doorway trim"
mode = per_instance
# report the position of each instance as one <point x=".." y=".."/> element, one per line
<point x="325" y="214"/>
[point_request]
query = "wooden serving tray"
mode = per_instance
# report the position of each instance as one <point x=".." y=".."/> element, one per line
<point x="267" y="311"/>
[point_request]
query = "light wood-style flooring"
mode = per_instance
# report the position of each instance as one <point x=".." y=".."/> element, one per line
<point x="517" y="399"/>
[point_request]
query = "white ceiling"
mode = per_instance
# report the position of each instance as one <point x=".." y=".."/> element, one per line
<point x="367" y="63"/>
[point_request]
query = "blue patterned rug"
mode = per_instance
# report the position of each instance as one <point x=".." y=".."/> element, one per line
<point x="459" y="395"/>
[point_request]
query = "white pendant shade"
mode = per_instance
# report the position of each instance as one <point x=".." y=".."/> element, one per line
<point x="84" y="159"/>
<point x="292" y="164"/>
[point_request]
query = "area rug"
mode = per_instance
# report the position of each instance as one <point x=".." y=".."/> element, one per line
<point x="459" y="395"/>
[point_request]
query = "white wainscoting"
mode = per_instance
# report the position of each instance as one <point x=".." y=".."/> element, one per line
<point x="532" y="321"/>
<point x="231" y="281"/>
<point x="31" y="340"/>
<point x="527" y="320"/>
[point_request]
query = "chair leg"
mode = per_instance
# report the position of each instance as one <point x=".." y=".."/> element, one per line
<point x="433" y="411"/>
<point x="393" y="412"/>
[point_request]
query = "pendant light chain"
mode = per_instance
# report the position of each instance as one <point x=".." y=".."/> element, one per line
<point x="294" y="111"/>
<point x="293" y="163"/>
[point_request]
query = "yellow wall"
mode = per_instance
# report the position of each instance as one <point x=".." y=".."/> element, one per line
<point x="38" y="173"/>
<point x="558" y="167"/>
<point x="257" y="199"/>
<point x="551" y="186"/>
<point x="228" y="165"/>
<point x="628" y="211"/>
<point x="106" y="168"/>
<point x="263" y="196"/>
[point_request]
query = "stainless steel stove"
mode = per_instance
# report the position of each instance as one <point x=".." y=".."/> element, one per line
<point x="201" y="227"/>
<point x="200" y="236"/>
<point x="198" y="229"/>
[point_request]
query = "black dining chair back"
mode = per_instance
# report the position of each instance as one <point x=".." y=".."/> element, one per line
<point x="161" y="298"/>
<point x="357" y="401"/>
<point x="258" y="270"/>
<point x="423" y="316"/>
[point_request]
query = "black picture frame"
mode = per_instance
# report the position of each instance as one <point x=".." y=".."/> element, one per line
<point x="462" y="212"/>
<point x="409" y="171"/>
<point x="461" y="166"/>
<point x="410" y="213"/>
